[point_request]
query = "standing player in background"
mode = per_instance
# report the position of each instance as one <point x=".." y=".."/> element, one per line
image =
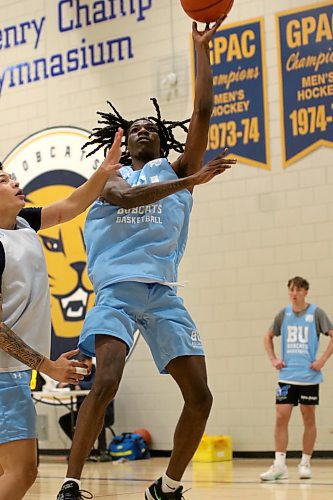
<point x="135" y="236"/>
<point x="25" y="321"/>
<point x="299" y="326"/>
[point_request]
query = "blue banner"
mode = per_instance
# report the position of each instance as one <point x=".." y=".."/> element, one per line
<point x="239" y="119"/>
<point x="305" y="40"/>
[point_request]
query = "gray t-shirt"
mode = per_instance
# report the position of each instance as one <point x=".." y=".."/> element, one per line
<point x="323" y="323"/>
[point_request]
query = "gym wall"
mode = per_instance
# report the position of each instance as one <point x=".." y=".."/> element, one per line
<point x="251" y="228"/>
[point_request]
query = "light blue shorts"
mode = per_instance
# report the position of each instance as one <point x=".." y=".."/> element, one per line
<point x="155" y="310"/>
<point x="17" y="410"/>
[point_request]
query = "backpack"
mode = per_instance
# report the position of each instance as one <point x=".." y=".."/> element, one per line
<point x="128" y="445"/>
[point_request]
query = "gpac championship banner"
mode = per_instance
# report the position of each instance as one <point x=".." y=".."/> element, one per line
<point x="239" y="120"/>
<point x="305" y="40"/>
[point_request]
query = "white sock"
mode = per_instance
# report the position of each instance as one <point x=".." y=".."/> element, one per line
<point x="77" y="481"/>
<point x="305" y="459"/>
<point x="280" y="458"/>
<point x="169" y="485"/>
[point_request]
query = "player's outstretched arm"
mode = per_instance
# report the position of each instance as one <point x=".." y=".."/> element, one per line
<point x="197" y="137"/>
<point x="211" y="169"/>
<point x="120" y="193"/>
<point x="85" y="195"/>
<point x="63" y="369"/>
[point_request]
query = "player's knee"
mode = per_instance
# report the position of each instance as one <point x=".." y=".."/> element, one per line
<point x="309" y="417"/>
<point x="105" y="388"/>
<point x="282" y="419"/>
<point x="207" y="404"/>
<point x="201" y="404"/>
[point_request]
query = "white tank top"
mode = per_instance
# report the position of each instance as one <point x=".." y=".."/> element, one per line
<point x="25" y="291"/>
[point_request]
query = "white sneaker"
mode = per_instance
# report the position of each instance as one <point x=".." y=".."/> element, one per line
<point x="304" y="471"/>
<point x="275" y="472"/>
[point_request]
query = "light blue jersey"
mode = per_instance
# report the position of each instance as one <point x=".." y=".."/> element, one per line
<point x="300" y="343"/>
<point x="132" y="255"/>
<point x="143" y="244"/>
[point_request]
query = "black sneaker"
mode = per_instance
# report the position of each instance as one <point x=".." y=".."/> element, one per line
<point x="154" y="492"/>
<point x="70" y="491"/>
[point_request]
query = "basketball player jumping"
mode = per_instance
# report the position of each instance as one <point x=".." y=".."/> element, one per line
<point x="135" y="237"/>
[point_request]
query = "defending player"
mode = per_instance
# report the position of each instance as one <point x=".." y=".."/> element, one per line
<point x="25" y="322"/>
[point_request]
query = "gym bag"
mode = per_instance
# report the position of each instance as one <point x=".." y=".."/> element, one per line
<point x="128" y="445"/>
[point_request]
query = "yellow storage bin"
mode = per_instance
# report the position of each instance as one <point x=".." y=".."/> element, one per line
<point x="214" y="449"/>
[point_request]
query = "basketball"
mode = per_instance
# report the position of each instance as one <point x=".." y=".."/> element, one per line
<point x="145" y="434"/>
<point x="206" y="11"/>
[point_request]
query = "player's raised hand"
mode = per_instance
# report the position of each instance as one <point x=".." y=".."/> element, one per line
<point x="111" y="161"/>
<point x="206" y="35"/>
<point x="214" y="167"/>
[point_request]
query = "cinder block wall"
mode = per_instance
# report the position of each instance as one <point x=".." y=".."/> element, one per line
<point x="250" y="229"/>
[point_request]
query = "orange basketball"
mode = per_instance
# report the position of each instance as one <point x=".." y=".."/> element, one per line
<point x="145" y="434"/>
<point x="206" y="11"/>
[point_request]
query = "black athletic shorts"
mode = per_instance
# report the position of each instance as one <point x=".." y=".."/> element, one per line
<point x="292" y="394"/>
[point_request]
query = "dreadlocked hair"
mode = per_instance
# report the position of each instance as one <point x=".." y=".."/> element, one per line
<point x="102" y="137"/>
